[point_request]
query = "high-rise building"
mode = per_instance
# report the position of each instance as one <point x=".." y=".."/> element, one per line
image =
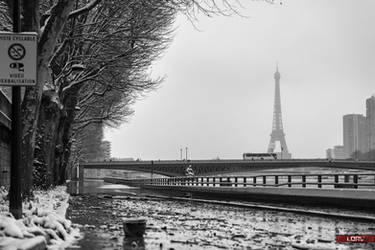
<point x="355" y="135"/>
<point x="370" y="116"/>
<point x="358" y="135"/>
<point x="106" y="147"/>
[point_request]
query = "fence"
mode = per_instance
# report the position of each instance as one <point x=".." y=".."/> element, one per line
<point x="329" y="181"/>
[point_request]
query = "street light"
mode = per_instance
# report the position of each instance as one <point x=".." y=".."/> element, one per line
<point x="186" y="153"/>
<point x="152" y="170"/>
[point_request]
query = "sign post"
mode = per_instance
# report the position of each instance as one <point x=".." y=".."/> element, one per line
<point x="18" y="56"/>
<point x="15" y="201"/>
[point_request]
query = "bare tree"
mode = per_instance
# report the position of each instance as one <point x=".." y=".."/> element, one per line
<point x="112" y="46"/>
<point x="113" y="41"/>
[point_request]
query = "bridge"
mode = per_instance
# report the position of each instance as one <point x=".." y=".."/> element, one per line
<point x="210" y="167"/>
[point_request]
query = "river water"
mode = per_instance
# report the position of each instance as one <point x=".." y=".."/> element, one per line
<point x="192" y="225"/>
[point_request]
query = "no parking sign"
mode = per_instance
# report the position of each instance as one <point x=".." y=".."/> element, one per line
<point x="18" y="58"/>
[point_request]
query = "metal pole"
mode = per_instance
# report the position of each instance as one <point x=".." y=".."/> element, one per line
<point x="181" y="154"/>
<point x="186" y="153"/>
<point x="15" y="201"/>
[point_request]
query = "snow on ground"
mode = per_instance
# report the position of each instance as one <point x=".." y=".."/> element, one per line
<point x="44" y="216"/>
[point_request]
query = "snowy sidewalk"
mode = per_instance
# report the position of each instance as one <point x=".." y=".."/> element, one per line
<point x="43" y="225"/>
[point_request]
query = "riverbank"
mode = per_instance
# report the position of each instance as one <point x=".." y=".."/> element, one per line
<point x="43" y="225"/>
<point x="193" y="225"/>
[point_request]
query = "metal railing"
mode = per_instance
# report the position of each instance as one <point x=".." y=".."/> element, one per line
<point x="329" y="181"/>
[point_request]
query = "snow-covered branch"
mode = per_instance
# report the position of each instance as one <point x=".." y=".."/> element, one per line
<point x="84" y="9"/>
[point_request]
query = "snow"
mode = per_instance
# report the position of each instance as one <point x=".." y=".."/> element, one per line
<point x="116" y="186"/>
<point x="78" y="67"/>
<point x="43" y="218"/>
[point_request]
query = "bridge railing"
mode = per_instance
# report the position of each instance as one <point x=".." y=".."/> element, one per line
<point x="328" y="181"/>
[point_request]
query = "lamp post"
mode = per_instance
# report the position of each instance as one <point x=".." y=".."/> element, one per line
<point x="186" y="153"/>
<point x="181" y="154"/>
<point x="152" y="170"/>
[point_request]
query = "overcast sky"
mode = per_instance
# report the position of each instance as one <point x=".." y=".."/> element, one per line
<point x="217" y="99"/>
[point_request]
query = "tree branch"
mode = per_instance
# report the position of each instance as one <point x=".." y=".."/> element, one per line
<point x="84" y="9"/>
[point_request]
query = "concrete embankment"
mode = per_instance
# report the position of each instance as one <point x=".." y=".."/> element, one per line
<point x="339" y="197"/>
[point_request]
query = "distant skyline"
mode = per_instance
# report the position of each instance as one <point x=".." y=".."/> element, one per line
<point x="217" y="98"/>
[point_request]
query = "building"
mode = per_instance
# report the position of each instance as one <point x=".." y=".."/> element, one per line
<point x="355" y="135"/>
<point x="106" y="147"/>
<point x="5" y="138"/>
<point x="370" y="116"/>
<point x="329" y="153"/>
<point x="358" y="135"/>
<point x="338" y="152"/>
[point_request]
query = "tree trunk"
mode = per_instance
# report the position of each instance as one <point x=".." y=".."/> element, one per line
<point x="45" y="173"/>
<point x="59" y="153"/>
<point x="64" y="141"/>
<point x="30" y="112"/>
<point x="32" y="99"/>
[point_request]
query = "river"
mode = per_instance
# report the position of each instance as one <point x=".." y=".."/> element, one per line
<point x="193" y="225"/>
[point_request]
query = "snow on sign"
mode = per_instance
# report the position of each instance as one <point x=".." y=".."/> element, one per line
<point x="18" y="55"/>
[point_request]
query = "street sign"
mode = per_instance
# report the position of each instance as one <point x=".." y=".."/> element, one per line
<point x="18" y="58"/>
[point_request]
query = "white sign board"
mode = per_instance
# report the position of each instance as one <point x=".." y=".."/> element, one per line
<point x="18" y="57"/>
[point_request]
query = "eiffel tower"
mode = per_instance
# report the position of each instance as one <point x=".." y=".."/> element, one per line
<point x="277" y="124"/>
